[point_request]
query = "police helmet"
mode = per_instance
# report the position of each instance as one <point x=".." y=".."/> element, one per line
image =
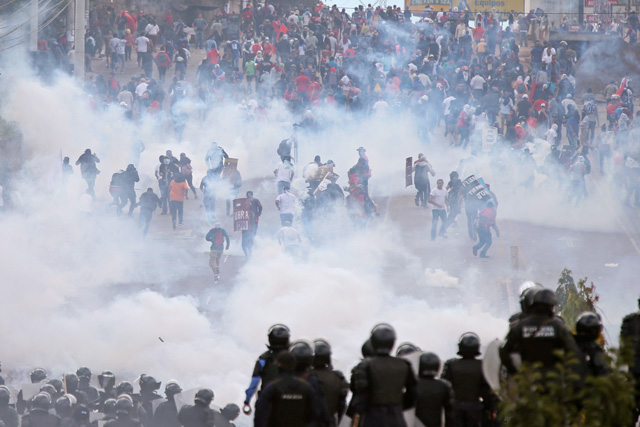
<point x="38" y="375"/>
<point x="84" y="372"/>
<point x="71" y="381"/>
<point x="429" y="365"/>
<point x="545" y="297"/>
<point x="204" y="396"/>
<point x="56" y="383"/>
<point x="279" y="336"/>
<point x="406" y="348"/>
<point x="50" y="390"/>
<point x="589" y="325"/>
<point x="109" y="406"/>
<point x="231" y="411"/>
<point x="469" y="345"/>
<point x="321" y="353"/>
<point x="124" y="404"/>
<point x="65" y="403"/>
<point x="383" y="336"/>
<point x="172" y="388"/>
<point x="148" y="383"/>
<point x="125" y="387"/>
<point x="106" y="379"/>
<point x="5" y="394"/>
<point x="528" y="290"/>
<point x="303" y="354"/>
<point x="367" y="349"/>
<point x="41" y="401"/>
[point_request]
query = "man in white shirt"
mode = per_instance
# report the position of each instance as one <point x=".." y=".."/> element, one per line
<point x="141" y="88"/>
<point x="284" y="174"/>
<point x="439" y="198"/>
<point x="142" y="48"/>
<point x="289" y="238"/>
<point x="286" y="204"/>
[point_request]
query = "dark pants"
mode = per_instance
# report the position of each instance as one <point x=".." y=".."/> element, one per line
<point x="162" y="70"/>
<point x="128" y="196"/>
<point x="484" y="243"/>
<point x="247" y="240"/>
<point x="454" y="210"/>
<point x="176" y="208"/>
<point x="145" y="217"/>
<point x="189" y="179"/>
<point x="472" y="213"/>
<point x="164" y="195"/>
<point x="442" y="214"/>
<point x="286" y="217"/>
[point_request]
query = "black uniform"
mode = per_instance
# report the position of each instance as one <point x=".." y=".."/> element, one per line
<point x="434" y="396"/>
<point x="389" y="385"/>
<point x="166" y="414"/>
<point x="264" y="372"/>
<point x="123" y="421"/>
<point x="9" y="416"/>
<point x="592" y="357"/>
<point x="536" y="337"/>
<point x="197" y="415"/>
<point x="630" y="341"/>
<point x="472" y="393"/>
<point x="40" y="418"/>
<point x="335" y="389"/>
<point x="287" y="401"/>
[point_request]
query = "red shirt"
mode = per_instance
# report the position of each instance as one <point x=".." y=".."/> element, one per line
<point x="303" y="82"/>
<point x="213" y="56"/>
<point x="268" y="48"/>
<point x="478" y="33"/>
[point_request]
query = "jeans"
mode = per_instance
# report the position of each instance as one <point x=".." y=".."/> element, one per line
<point x="128" y="196"/>
<point x="286" y="217"/>
<point x="591" y="131"/>
<point x="214" y="261"/>
<point x="176" y="208"/>
<point x="247" y="240"/>
<point x="281" y="185"/>
<point x="199" y="39"/>
<point x="164" y="195"/>
<point x="442" y="214"/>
<point x="523" y="38"/>
<point x="484" y="240"/>
<point x="421" y="197"/>
<point x="145" y="218"/>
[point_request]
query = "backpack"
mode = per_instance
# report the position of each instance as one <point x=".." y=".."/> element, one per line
<point x="520" y="88"/>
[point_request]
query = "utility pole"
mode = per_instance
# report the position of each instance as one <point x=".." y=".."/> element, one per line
<point x="78" y="37"/>
<point x="33" y="33"/>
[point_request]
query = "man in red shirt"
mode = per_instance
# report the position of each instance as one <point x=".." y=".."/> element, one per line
<point x="478" y="33"/>
<point x="268" y="49"/>
<point x="213" y="56"/>
<point x="302" y="85"/>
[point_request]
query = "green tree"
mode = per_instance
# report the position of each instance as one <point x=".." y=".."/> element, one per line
<point x="574" y="298"/>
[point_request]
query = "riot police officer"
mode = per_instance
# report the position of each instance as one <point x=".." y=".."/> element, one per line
<point x="107" y="382"/>
<point x="265" y="369"/>
<point x="287" y="401"/>
<point x="388" y="382"/>
<point x="148" y="387"/>
<point x="199" y="414"/>
<point x="38" y="375"/>
<point x="84" y="375"/>
<point x="39" y="415"/>
<point x="406" y="348"/>
<point x="124" y="413"/>
<point x="167" y="412"/>
<point x="537" y="336"/>
<point x="8" y="415"/>
<point x="434" y="395"/>
<point x="471" y="391"/>
<point x="630" y="349"/>
<point x="334" y="386"/>
<point x="357" y="404"/>
<point x="588" y="329"/>
<point x="526" y="300"/>
<point x="303" y="353"/>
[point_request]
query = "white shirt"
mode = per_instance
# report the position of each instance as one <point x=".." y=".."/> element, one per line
<point x="142" y="42"/>
<point x="380" y="107"/>
<point x="121" y="46"/>
<point x="477" y="82"/>
<point x="283" y="172"/>
<point x="288" y="236"/>
<point x="141" y="89"/>
<point x="152" y="30"/>
<point x="439" y="197"/>
<point x="287" y="203"/>
<point x="447" y="104"/>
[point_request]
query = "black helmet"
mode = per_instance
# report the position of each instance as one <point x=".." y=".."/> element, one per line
<point x="469" y="345"/>
<point x="5" y="394"/>
<point x="64" y="404"/>
<point x="124" y="404"/>
<point x="56" y="383"/>
<point x="321" y="353"/>
<point x="589" y="325"/>
<point x="231" y="411"/>
<point x="84" y="373"/>
<point x="71" y="381"/>
<point x="204" y="395"/>
<point x="545" y="297"/>
<point x="109" y="406"/>
<point x="526" y="296"/>
<point x="106" y="379"/>
<point x="303" y="353"/>
<point x="406" y="348"/>
<point x="429" y="365"/>
<point x="383" y="336"/>
<point x="38" y="375"/>
<point x="148" y="383"/>
<point x="41" y="401"/>
<point x="367" y="349"/>
<point x="125" y="387"/>
<point x="279" y="336"/>
<point x="50" y="390"/>
<point x="172" y="388"/>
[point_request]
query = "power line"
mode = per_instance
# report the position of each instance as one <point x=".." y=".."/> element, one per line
<point x="40" y="28"/>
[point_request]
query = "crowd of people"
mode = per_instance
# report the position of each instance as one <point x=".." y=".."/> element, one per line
<point x="299" y="386"/>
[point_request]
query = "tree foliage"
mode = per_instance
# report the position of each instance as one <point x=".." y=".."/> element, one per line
<point x="574" y="298"/>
